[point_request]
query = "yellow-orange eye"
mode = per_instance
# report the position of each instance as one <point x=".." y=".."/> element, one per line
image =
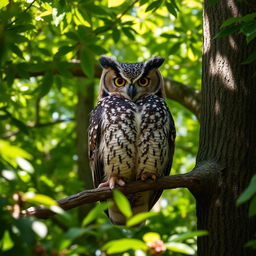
<point x="119" y="81"/>
<point x="144" y="81"/>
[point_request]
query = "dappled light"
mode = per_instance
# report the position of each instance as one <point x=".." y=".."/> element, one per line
<point x="49" y="84"/>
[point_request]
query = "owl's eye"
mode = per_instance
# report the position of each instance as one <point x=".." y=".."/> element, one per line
<point x="119" y="81"/>
<point x="144" y="81"/>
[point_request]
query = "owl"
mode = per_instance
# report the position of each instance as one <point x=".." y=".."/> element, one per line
<point x="131" y="131"/>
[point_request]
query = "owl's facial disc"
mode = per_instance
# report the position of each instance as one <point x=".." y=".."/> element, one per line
<point x="131" y="80"/>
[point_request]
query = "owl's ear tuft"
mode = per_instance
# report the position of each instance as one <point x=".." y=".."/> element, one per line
<point x="108" y="62"/>
<point x="155" y="62"/>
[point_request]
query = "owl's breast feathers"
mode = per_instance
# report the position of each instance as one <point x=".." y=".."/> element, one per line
<point x="128" y="138"/>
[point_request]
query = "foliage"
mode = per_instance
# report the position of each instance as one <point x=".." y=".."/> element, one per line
<point x="249" y="194"/>
<point x="40" y="43"/>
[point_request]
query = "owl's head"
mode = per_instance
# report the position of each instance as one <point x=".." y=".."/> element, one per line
<point x="131" y="80"/>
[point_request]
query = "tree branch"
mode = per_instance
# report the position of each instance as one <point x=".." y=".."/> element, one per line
<point x="201" y="177"/>
<point x="183" y="94"/>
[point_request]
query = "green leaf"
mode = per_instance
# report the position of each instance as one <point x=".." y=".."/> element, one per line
<point x="10" y="153"/>
<point x="180" y="247"/>
<point x="250" y="59"/>
<point x="182" y="237"/>
<point x="46" y="84"/>
<point x="151" y="237"/>
<point x="122" y="203"/>
<point x="154" y="6"/>
<point x="63" y="50"/>
<point x="22" y="126"/>
<point x="248" y="17"/>
<point x="75" y="232"/>
<point x="98" y="50"/>
<point x="174" y="48"/>
<point x="6" y="243"/>
<point x="87" y="62"/>
<point x="3" y="3"/>
<point x="248" y="192"/>
<point x="252" y="207"/>
<point x="128" y="33"/>
<point x="115" y="35"/>
<point x="115" y="3"/>
<point x="95" y="212"/>
<point x="123" y="245"/>
<point x="140" y="217"/>
<point x="230" y="21"/>
<point x="38" y="199"/>
<point x="15" y="49"/>
<point x="171" y="8"/>
<point x="227" y="31"/>
<point x="39" y="228"/>
<point x="166" y="35"/>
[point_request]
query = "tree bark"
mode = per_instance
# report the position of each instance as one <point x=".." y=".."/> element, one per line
<point x="227" y="135"/>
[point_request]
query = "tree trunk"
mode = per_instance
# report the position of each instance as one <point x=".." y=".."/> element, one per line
<point x="228" y="133"/>
<point x="84" y="107"/>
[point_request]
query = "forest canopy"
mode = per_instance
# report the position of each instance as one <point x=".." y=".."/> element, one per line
<point x="48" y="66"/>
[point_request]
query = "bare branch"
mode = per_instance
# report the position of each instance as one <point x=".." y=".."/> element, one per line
<point x="196" y="180"/>
<point x="185" y="95"/>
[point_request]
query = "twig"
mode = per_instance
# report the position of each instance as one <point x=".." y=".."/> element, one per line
<point x="24" y="12"/>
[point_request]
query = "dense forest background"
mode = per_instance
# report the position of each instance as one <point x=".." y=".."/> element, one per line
<point x="49" y="53"/>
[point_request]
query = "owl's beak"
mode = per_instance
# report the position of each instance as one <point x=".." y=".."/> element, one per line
<point x="132" y="91"/>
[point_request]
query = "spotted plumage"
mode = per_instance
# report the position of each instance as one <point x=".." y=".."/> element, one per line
<point x="131" y="133"/>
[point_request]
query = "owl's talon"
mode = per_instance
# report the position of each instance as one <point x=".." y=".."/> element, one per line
<point x="111" y="182"/>
<point x="148" y="176"/>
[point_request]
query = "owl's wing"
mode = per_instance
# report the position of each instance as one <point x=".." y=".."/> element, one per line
<point x="171" y="143"/>
<point x="94" y="139"/>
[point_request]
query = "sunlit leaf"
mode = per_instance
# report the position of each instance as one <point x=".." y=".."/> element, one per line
<point x="183" y="237"/>
<point x="9" y="174"/>
<point x="140" y="217"/>
<point x="38" y="199"/>
<point x="123" y="245"/>
<point x="248" y="192"/>
<point x="25" y="164"/>
<point x="115" y="3"/>
<point x="3" y="3"/>
<point x="39" y="228"/>
<point x="151" y="237"/>
<point x="122" y="203"/>
<point x="10" y="153"/>
<point x="180" y="247"/>
<point x="7" y="242"/>
<point x="95" y="212"/>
